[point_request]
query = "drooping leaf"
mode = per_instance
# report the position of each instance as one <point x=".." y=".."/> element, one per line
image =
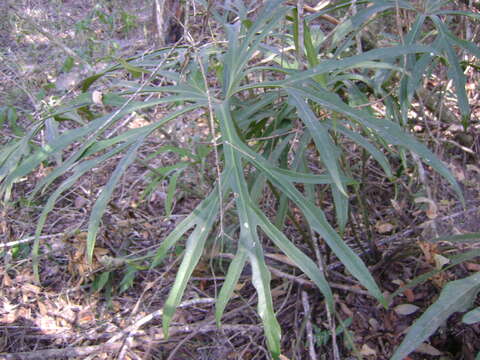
<point x="231" y="279"/>
<point x="106" y="193"/>
<point x="193" y="252"/>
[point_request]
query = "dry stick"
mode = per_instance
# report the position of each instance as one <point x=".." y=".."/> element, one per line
<point x="398" y="22"/>
<point x="309" y="328"/>
<point x="128" y="339"/>
<point x="135" y="326"/>
<point x="159" y="20"/>
<point x="26" y="240"/>
<point x="311" y="284"/>
<point x="108" y="122"/>
<point x="190" y="39"/>
<point x="180" y="344"/>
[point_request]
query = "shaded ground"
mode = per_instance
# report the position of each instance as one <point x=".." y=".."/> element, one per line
<point x="123" y="321"/>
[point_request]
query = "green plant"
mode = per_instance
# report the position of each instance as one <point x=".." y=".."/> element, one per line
<point x="260" y="133"/>
<point x="128" y="21"/>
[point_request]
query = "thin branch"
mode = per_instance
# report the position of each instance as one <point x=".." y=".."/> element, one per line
<point x="70" y="352"/>
<point x="309" y="328"/>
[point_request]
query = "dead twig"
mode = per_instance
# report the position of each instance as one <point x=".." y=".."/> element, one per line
<point x="134" y="327"/>
<point x="309" y="328"/>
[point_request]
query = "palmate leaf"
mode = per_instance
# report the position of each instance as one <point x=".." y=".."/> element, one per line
<point x="194" y="218"/>
<point x="472" y="317"/>
<point x="302" y="261"/>
<point x="453" y="261"/>
<point x="355" y="22"/>
<point x="12" y="158"/>
<point x="314" y="215"/>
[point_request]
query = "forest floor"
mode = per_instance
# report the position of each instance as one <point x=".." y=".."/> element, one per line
<point x="65" y="317"/>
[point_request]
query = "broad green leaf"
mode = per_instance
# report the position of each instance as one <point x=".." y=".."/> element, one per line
<point x="136" y="71"/>
<point x="91" y="146"/>
<point x="52" y="133"/>
<point x="127" y="280"/>
<point x="354" y="23"/>
<point x="13" y="161"/>
<point x="261" y="281"/>
<point x="432" y="6"/>
<point x="470" y="237"/>
<point x="472" y="317"/>
<point x="459" y="12"/>
<point x="453" y="261"/>
<point x="240" y="52"/>
<point x="328" y="66"/>
<point x="100" y="281"/>
<point x="3" y="114"/>
<point x="469" y="46"/>
<point x="12" y="118"/>
<point x="456" y="296"/>
<point x="56" y="146"/>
